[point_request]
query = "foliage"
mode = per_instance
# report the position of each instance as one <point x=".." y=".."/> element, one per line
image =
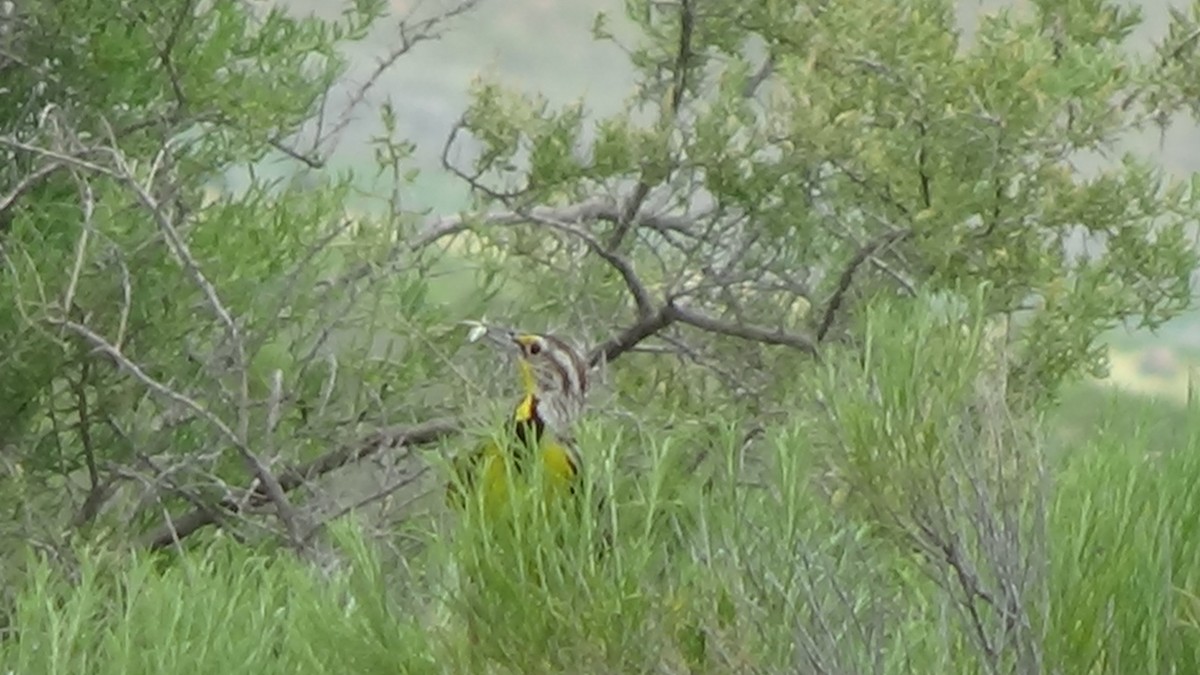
<point x="867" y="139"/>
<point x="776" y="578"/>
<point x="159" y="332"/>
<point x="834" y="267"/>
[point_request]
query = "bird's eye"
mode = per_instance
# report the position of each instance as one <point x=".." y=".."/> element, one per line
<point x="535" y="348"/>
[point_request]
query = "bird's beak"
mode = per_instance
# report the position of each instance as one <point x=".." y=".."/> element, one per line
<point x="496" y="336"/>
<point x="510" y="341"/>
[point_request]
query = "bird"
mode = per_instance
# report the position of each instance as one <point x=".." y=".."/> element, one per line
<point x="553" y="379"/>
<point x="554" y="387"/>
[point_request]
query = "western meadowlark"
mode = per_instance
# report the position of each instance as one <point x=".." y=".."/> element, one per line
<point x="554" y="381"/>
<point x="501" y="476"/>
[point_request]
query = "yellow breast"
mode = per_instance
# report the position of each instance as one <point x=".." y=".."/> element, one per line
<point x="499" y="470"/>
<point x="501" y="473"/>
<point x="496" y="473"/>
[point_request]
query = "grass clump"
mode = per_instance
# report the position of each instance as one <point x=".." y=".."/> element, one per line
<point x="913" y="523"/>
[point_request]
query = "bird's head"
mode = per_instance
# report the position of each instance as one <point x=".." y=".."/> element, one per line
<point x="552" y="373"/>
<point x="549" y="366"/>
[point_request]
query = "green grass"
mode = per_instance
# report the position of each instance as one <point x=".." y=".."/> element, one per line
<point x="1125" y="527"/>
<point x="719" y="570"/>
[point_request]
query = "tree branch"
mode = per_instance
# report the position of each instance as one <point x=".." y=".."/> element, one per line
<point x="629" y="338"/>
<point x="289" y="479"/>
<point x="599" y="208"/>
<point x="411" y="33"/>
<point x="679" y="85"/>
<point x="847" y="277"/>
<point x="744" y="331"/>
<point x="257" y="466"/>
<point x="760" y="76"/>
<point x="641" y="296"/>
<point x="30" y="181"/>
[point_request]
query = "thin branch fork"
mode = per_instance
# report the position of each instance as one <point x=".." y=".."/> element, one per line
<point x="671" y="313"/>
<point x="258" y="468"/>
<point x="238" y="438"/>
<point x="652" y="317"/>
<point x="681" y="65"/>
<point x="291" y="478"/>
<point x="651" y="321"/>
<point x="641" y="296"/>
<point x="27" y="183"/>
<point x="599" y="208"/>
<point x="411" y="33"/>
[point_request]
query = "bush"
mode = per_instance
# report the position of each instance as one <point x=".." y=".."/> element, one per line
<point x="825" y="264"/>
<point x="714" y="572"/>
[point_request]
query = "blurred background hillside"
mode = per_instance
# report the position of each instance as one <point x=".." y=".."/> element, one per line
<point x="547" y="47"/>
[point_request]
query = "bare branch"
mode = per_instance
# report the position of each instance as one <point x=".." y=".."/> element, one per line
<point x="102" y="345"/>
<point x="474" y="180"/>
<point x="88" y="199"/>
<point x="258" y="468"/>
<point x="679" y="71"/>
<point x="745" y="332"/>
<point x="60" y="157"/>
<point x="410" y="35"/>
<point x="97" y="489"/>
<point x="238" y="438"/>
<point x="847" y="277"/>
<point x="599" y="208"/>
<point x="641" y="296"/>
<point x="30" y="181"/>
<point x="629" y="338"/>
<point x="290" y="479"/>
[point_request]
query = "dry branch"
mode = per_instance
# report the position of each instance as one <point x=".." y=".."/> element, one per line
<point x="679" y="69"/>
<point x="438" y="229"/>
<point x="258" y="467"/>
<point x="432" y="431"/>
<point x="410" y="33"/>
<point x="652" y="317"/>
<point x="847" y="277"/>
